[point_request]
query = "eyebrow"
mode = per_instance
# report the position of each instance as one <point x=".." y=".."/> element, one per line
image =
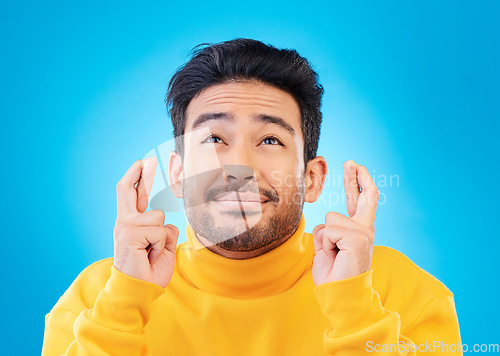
<point x="267" y="119"/>
<point x="270" y="119"/>
<point x="212" y="116"/>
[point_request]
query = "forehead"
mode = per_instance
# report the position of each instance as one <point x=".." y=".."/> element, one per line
<point x="245" y="100"/>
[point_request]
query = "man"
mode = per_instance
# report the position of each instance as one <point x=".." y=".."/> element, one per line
<point x="249" y="280"/>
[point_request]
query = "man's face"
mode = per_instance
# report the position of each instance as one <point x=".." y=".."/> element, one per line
<point x="243" y="144"/>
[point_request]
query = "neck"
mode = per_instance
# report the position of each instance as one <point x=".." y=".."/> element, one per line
<point x="267" y="274"/>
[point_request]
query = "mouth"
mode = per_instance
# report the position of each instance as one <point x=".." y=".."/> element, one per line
<point x="245" y="198"/>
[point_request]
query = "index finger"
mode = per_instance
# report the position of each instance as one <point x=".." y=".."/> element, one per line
<point x="126" y="193"/>
<point x="368" y="198"/>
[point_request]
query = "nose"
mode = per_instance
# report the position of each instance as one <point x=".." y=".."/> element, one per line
<point x="237" y="175"/>
<point x="238" y="169"/>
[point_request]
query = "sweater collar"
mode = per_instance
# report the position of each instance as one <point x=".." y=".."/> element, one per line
<point x="271" y="273"/>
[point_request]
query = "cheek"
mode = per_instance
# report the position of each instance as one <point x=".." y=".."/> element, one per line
<point x="201" y="160"/>
<point x="200" y="174"/>
<point x="289" y="191"/>
<point x="284" y="182"/>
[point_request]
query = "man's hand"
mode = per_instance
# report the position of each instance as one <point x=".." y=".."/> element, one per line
<point x="343" y="246"/>
<point x="144" y="247"/>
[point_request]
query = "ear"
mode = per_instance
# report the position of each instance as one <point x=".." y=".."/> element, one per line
<point x="315" y="178"/>
<point x="176" y="174"/>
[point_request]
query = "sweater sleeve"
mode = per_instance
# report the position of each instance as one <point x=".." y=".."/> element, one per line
<point x="112" y="326"/>
<point x="361" y="325"/>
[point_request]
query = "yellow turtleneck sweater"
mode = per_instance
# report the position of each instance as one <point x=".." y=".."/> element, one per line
<point x="266" y="305"/>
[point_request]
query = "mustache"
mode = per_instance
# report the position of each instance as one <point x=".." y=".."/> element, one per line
<point x="212" y="192"/>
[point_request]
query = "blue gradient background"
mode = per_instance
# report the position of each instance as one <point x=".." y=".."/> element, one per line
<point x="411" y="90"/>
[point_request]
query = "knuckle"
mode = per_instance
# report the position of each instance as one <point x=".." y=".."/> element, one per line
<point x="124" y="233"/>
<point x="369" y="232"/>
<point x="373" y="195"/>
<point x="120" y="186"/>
<point x="165" y="229"/>
<point x="357" y="239"/>
<point x="173" y="229"/>
<point x="330" y="217"/>
<point x="117" y="231"/>
<point x="367" y="229"/>
<point x="120" y="226"/>
<point x="128" y="233"/>
<point x="160" y="215"/>
<point x="371" y="237"/>
<point x="362" y="167"/>
<point x="160" y="233"/>
<point x="318" y="228"/>
<point x="353" y="185"/>
<point x="360" y="239"/>
<point x="328" y="230"/>
<point x="164" y="235"/>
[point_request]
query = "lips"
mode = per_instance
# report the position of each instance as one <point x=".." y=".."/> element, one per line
<point x="243" y="197"/>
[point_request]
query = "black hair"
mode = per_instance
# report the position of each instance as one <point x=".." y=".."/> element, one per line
<point x="245" y="59"/>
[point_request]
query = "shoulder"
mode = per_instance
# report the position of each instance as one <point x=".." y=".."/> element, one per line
<point x="393" y="269"/>
<point x="87" y="285"/>
<point x="97" y="273"/>
<point x="102" y="266"/>
<point x="403" y="286"/>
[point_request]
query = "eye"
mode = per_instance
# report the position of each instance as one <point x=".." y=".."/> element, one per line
<point x="270" y="140"/>
<point x="212" y="139"/>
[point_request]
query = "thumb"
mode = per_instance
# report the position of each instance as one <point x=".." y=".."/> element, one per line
<point x="318" y="237"/>
<point x="173" y="235"/>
